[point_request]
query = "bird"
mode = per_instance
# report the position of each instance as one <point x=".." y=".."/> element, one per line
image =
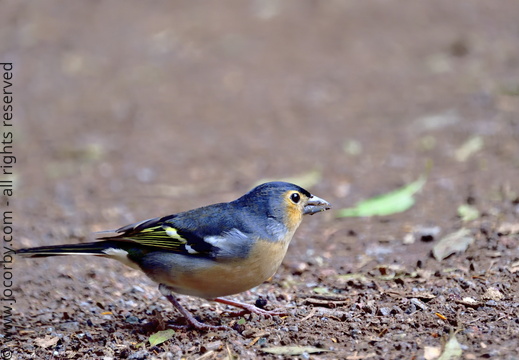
<point x="208" y="252"/>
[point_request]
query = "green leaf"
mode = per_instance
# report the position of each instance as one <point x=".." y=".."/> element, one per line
<point x="160" y="337"/>
<point x="393" y="202"/>
<point x="242" y="321"/>
<point x="321" y="290"/>
<point x="470" y="147"/>
<point x="351" y="277"/>
<point x="293" y="350"/>
<point x="452" y="350"/>
<point x="352" y="147"/>
<point x="467" y="212"/>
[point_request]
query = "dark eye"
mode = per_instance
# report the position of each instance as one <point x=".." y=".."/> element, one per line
<point x="295" y="197"/>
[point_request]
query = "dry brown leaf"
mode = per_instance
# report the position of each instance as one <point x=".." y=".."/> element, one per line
<point x="493" y="294"/>
<point x="47" y="341"/>
<point x="431" y="352"/>
<point x="508" y="228"/>
<point x="456" y="242"/>
<point x="293" y="350"/>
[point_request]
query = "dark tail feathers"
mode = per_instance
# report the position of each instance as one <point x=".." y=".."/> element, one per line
<point x="93" y="248"/>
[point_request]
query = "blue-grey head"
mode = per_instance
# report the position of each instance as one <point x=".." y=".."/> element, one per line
<point x="284" y="202"/>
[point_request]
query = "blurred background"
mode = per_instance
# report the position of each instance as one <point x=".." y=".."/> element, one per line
<point x="125" y="112"/>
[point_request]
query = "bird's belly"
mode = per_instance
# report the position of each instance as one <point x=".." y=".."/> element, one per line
<point x="215" y="279"/>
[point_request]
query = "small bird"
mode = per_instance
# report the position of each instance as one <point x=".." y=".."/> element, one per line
<point x="209" y="252"/>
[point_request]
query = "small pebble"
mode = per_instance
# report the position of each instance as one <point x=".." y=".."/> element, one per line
<point x="491" y="303"/>
<point x="384" y="311"/>
<point x="419" y="303"/>
<point x="69" y="326"/>
<point x="132" y="319"/>
<point x="139" y="355"/>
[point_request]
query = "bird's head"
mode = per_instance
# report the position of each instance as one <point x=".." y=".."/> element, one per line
<point x="285" y="202"/>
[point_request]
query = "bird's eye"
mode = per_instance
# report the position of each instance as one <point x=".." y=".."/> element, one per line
<point x="295" y="197"/>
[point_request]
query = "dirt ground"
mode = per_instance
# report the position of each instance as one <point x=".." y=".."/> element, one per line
<point x="124" y="112"/>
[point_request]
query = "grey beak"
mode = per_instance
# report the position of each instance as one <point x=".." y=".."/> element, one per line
<point x="315" y="205"/>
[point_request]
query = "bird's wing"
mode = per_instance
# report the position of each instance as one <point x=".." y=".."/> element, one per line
<point x="208" y="232"/>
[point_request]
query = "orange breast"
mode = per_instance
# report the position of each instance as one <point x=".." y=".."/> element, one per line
<point x="233" y="277"/>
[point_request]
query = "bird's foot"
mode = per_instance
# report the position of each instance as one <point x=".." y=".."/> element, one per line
<point x="248" y="308"/>
<point x="192" y="322"/>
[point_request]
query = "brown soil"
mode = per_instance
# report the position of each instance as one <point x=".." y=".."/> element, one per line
<point x="125" y="112"/>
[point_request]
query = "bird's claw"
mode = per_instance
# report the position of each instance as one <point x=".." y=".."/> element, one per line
<point x="258" y="311"/>
<point x="248" y="308"/>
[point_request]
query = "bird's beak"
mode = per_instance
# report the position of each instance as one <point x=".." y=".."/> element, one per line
<point x="315" y="205"/>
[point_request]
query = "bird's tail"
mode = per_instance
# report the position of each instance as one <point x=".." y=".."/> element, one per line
<point x="93" y="248"/>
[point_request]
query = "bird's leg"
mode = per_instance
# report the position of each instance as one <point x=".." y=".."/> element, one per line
<point x="186" y="314"/>
<point x="250" y="308"/>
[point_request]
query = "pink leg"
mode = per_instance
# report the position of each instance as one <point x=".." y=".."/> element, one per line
<point x="186" y="314"/>
<point x="250" y="308"/>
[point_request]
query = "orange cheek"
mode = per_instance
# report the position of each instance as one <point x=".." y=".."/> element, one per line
<point x="293" y="216"/>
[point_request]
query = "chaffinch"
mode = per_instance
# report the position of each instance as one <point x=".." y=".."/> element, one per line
<point x="209" y="252"/>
